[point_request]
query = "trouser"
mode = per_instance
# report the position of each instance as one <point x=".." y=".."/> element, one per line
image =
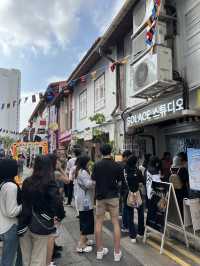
<point x="131" y="224"/>
<point x="180" y="197"/>
<point x="66" y="190"/>
<point x="125" y="216"/>
<point x="11" y="254"/>
<point x="34" y="249"/>
<point x="70" y="192"/>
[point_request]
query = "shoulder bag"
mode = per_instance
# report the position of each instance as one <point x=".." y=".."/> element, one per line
<point x="134" y="199"/>
<point x="41" y="224"/>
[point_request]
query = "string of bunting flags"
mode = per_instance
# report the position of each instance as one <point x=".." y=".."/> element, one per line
<point x="50" y="93"/>
<point x="19" y="101"/>
<point x="9" y="131"/>
<point x="152" y="22"/>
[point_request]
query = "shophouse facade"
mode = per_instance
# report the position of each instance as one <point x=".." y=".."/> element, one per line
<point x="38" y="123"/>
<point x="64" y="109"/>
<point x="166" y="78"/>
<point x="93" y="96"/>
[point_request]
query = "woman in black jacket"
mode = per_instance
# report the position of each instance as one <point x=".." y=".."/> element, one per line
<point x="40" y="200"/>
<point x="132" y="178"/>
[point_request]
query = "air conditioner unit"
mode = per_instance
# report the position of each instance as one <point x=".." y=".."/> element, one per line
<point x="152" y="73"/>
<point x="142" y="12"/>
<point x="140" y="47"/>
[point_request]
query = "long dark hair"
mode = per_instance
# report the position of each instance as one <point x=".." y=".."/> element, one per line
<point x="8" y="170"/>
<point x="154" y="165"/>
<point x="42" y="173"/>
<point x="132" y="162"/>
<point x="81" y="164"/>
<point x="53" y="157"/>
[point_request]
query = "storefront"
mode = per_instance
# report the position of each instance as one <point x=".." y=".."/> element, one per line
<point x="91" y="139"/>
<point x="164" y="125"/>
<point x="64" y="140"/>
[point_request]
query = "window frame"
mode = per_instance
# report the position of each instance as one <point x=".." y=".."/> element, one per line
<point x="82" y="116"/>
<point x="96" y="109"/>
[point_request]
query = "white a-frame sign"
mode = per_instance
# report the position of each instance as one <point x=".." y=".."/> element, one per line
<point x="163" y="212"/>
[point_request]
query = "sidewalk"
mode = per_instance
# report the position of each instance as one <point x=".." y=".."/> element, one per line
<point x="133" y="254"/>
<point x="70" y="256"/>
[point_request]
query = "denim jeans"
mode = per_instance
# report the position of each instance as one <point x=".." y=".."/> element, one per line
<point x="11" y="254"/>
<point x="131" y="225"/>
<point x="125" y="216"/>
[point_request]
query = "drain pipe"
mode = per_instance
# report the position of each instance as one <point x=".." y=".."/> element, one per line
<point x="124" y="122"/>
<point x="118" y="88"/>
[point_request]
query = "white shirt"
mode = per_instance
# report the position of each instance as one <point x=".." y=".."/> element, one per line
<point x="9" y="209"/>
<point x="70" y="164"/>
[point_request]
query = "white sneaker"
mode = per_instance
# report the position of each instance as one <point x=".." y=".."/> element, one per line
<point x="124" y="230"/>
<point x="52" y="264"/>
<point x="117" y="256"/>
<point x="101" y="254"/>
<point x="86" y="249"/>
<point x="133" y="240"/>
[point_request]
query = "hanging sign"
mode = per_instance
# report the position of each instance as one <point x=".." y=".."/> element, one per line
<point x="41" y="131"/>
<point x="194" y="168"/>
<point x="155" y="111"/>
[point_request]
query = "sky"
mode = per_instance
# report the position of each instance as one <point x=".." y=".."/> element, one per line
<point x="45" y="39"/>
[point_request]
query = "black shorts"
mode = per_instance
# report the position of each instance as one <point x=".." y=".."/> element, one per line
<point x="86" y="222"/>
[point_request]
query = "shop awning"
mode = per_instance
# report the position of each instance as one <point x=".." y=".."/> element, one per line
<point x="65" y="137"/>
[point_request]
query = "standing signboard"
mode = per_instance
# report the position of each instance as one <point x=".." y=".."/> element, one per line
<point x="159" y="200"/>
<point x="159" y="215"/>
<point x="192" y="214"/>
<point x="194" y="168"/>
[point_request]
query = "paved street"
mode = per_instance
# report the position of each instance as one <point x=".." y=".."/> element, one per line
<point x="70" y="257"/>
<point x="133" y="255"/>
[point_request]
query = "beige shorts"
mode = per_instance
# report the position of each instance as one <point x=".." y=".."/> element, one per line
<point x="109" y="205"/>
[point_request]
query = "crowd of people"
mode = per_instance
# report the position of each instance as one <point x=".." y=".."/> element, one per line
<point x="31" y="215"/>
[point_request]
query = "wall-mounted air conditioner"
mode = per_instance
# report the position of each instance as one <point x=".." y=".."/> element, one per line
<point x="139" y="45"/>
<point x="152" y="73"/>
<point x="142" y="12"/>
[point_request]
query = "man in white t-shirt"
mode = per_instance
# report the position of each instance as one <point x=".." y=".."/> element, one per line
<point x="69" y="170"/>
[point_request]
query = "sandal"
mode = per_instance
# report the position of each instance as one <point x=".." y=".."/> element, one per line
<point x="86" y="249"/>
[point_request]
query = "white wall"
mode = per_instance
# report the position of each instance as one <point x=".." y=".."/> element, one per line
<point x="10" y="90"/>
<point x="110" y="97"/>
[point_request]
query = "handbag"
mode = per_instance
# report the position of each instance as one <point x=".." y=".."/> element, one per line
<point x="134" y="199"/>
<point x="41" y="224"/>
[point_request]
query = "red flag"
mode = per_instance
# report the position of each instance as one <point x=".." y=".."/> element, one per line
<point x="83" y="79"/>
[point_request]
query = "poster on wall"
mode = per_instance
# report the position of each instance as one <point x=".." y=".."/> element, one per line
<point x="194" y="168"/>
